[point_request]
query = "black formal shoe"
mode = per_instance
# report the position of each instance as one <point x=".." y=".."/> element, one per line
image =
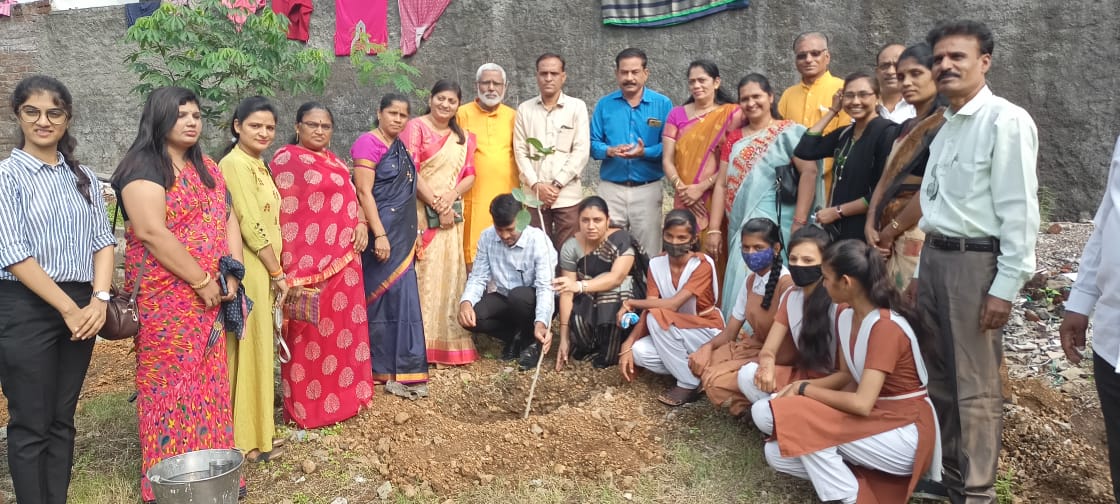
<point x="931" y="490"/>
<point x="529" y="357"/>
<point x="511" y="348"/>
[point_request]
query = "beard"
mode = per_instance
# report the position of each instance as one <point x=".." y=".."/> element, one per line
<point x="490" y="99"/>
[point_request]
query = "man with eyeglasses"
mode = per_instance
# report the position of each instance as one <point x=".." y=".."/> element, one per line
<point x="626" y="135"/>
<point x="491" y="121"/>
<point x="807" y="101"/>
<point x="980" y="215"/>
<point x="891" y="105"/>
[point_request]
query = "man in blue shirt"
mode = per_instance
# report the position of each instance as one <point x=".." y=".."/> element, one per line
<point x="626" y="137"/>
<point x="520" y="266"/>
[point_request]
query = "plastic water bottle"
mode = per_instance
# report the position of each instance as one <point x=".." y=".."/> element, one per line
<point x="628" y="320"/>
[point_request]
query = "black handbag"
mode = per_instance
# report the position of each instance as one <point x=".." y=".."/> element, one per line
<point x="787" y="179"/>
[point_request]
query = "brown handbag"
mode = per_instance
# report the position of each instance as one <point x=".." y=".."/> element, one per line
<point x="122" y="319"/>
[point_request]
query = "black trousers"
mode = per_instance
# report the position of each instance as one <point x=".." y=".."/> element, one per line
<point x="1108" y="388"/>
<point x="507" y="317"/>
<point x="41" y="372"/>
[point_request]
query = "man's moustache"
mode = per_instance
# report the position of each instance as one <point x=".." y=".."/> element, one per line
<point x="946" y="75"/>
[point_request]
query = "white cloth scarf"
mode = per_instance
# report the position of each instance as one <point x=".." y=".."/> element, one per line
<point x="663" y="277"/>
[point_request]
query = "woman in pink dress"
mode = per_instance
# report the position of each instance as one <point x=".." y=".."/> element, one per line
<point x="329" y="378"/>
<point x="444" y="157"/>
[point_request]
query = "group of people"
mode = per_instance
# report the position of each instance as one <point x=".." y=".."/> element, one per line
<point x="816" y="212"/>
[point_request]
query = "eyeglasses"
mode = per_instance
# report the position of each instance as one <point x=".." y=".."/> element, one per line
<point x="815" y="53"/>
<point x="887" y="65"/>
<point x="490" y="83"/>
<point x="55" y="116"/>
<point x="863" y="95"/>
<point x="315" y="126"/>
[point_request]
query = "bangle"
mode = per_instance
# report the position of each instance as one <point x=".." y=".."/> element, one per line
<point x="839" y="211"/>
<point x="624" y="352"/>
<point x="279" y="278"/>
<point x="376" y="236"/>
<point x="563" y="325"/>
<point x="715" y="231"/>
<point x="801" y="389"/>
<point x="582" y="286"/>
<point x="798" y="220"/>
<point x="277" y="273"/>
<point x="205" y="281"/>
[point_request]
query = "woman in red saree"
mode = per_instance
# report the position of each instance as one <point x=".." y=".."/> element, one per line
<point x="329" y="378"/>
<point x="180" y="226"/>
<point x="444" y="156"/>
<point x="692" y="140"/>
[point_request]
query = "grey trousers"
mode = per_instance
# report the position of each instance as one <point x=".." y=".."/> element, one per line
<point x="964" y="379"/>
<point x="637" y="209"/>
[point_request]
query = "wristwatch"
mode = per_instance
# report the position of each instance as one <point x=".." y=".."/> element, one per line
<point x="102" y="296"/>
<point x="557" y="184"/>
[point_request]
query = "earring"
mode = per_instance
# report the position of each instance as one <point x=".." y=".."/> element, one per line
<point x="297" y="136"/>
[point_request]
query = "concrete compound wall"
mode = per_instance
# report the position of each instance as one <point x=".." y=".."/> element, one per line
<point x="1056" y="59"/>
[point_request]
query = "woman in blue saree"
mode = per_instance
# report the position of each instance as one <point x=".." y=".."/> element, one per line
<point x="385" y="178"/>
<point x="755" y="152"/>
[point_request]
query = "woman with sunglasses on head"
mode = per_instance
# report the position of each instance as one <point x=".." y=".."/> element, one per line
<point x="329" y="377"/>
<point x="56" y="251"/>
<point x="858" y="152"/>
<point x="180" y="230"/>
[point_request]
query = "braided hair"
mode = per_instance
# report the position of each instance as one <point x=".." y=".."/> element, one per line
<point x="62" y="99"/>
<point x="772" y="235"/>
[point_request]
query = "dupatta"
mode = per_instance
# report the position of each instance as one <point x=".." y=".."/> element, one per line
<point x="695" y="145"/>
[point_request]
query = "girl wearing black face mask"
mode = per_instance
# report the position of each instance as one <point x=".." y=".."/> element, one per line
<point x="717" y="363"/>
<point x="680" y="312"/>
<point x="801" y="327"/>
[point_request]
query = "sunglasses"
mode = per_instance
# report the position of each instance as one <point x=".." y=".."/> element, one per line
<point x="815" y="53"/>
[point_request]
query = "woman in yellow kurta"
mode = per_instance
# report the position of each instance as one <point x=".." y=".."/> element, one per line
<point x="257" y="206"/>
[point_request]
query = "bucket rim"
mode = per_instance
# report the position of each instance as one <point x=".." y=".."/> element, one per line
<point x="240" y="461"/>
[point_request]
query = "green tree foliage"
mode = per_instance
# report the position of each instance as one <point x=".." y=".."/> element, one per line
<point x="384" y="69"/>
<point x="223" y="53"/>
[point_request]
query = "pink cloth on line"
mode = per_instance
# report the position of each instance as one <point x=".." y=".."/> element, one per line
<point x="6" y="7"/>
<point x="298" y="13"/>
<point x="349" y="13"/>
<point x="418" y="18"/>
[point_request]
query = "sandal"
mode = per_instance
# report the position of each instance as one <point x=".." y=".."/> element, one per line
<point x="678" y="396"/>
<point x="263" y="457"/>
<point x="399" y="389"/>
<point x="419" y="390"/>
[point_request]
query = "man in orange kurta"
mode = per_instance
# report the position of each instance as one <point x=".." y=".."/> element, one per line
<point x="808" y="100"/>
<point x="491" y="121"/>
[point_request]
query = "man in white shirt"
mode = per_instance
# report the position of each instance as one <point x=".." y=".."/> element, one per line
<point x="891" y="105"/>
<point x="1098" y="286"/>
<point x="980" y="214"/>
<point x="561" y="122"/>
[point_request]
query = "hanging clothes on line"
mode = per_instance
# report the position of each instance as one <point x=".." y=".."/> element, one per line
<point x="298" y="13"/>
<point x="654" y="13"/>
<point x="135" y="11"/>
<point x="6" y="7"/>
<point x="350" y="14"/>
<point x="418" y="18"/>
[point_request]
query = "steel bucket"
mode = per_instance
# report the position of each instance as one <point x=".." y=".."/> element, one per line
<point x="198" y="477"/>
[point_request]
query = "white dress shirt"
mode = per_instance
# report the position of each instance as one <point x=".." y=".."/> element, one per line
<point x="981" y="182"/>
<point x="1098" y="276"/>
<point x="903" y="111"/>
<point x="567" y="129"/>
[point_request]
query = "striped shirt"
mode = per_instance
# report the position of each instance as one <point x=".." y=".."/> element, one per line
<point x="531" y="262"/>
<point x="44" y="217"/>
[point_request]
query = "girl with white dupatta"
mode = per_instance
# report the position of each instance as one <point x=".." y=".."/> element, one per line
<point x="679" y="313"/>
<point x="868" y="432"/>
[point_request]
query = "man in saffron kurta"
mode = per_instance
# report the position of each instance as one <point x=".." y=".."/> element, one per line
<point x="807" y="101"/>
<point x="491" y="121"/>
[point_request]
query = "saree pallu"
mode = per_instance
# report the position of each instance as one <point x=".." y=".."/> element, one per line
<point x="756" y="196"/>
<point x="594" y="328"/>
<point x="909" y="153"/>
<point x="440" y="266"/>
<point x="328" y="378"/>
<point x="396" y="328"/>
<point x="183" y="393"/>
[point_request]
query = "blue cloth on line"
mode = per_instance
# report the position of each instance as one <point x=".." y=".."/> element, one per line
<point x="135" y="11"/>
